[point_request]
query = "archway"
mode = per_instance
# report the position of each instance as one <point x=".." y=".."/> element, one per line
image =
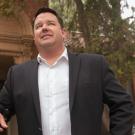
<point x="16" y="43"/>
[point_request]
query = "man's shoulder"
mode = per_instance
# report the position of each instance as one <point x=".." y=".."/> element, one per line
<point x="90" y="56"/>
<point x="25" y="65"/>
<point x="87" y="55"/>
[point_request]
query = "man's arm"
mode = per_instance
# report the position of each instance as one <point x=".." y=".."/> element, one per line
<point x="119" y="102"/>
<point x="3" y="110"/>
<point x="6" y="105"/>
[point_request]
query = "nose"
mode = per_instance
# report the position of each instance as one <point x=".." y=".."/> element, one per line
<point x="44" y="28"/>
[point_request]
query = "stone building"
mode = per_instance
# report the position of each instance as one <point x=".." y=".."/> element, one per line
<point x="16" y="44"/>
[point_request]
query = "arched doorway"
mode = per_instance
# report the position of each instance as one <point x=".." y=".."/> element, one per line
<point x="5" y="63"/>
<point x="16" y="41"/>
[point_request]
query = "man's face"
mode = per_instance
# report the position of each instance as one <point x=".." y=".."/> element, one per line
<point x="47" y="31"/>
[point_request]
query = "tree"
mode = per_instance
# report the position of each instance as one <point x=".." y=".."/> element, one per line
<point x="9" y="7"/>
<point x="103" y="30"/>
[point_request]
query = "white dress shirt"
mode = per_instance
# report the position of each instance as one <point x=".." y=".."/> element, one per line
<point x="53" y="81"/>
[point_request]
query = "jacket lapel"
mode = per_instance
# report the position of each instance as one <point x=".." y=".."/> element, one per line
<point x="35" y="90"/>
<point x="74" y="66"/>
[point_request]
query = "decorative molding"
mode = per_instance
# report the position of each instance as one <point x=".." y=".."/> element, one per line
<point x="10" y="53"/>
<point x="27" y="40"/>
<point x="16" y="39"/>
<point x="10" y="38"/>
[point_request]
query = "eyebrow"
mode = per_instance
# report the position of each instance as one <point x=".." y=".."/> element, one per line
<point x="51" y="21"/>
<point x="46" y="21"/>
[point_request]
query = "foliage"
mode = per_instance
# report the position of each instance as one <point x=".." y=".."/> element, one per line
<point x="67" y="10"/>
<point x="9" y="7"/>
<point x="103" y="30"/>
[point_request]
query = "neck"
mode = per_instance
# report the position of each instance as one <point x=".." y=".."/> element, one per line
<point x="52" y="55"/>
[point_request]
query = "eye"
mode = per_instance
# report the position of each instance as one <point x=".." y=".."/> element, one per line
<point x="51" y="23"/>
<point x="37" y="26"/>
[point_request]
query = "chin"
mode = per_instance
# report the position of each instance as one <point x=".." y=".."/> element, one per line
<point x="47" y="45"/>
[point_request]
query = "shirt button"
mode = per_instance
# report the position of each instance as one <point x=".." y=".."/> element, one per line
<point x="40" y="129"/>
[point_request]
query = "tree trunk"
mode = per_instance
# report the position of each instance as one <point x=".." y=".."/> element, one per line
<point x="83" y="23"/>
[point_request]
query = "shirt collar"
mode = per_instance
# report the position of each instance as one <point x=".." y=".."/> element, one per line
<point x="64" y="55"/>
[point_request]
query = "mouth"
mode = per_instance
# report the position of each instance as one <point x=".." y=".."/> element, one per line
<point x="46" y="36"/>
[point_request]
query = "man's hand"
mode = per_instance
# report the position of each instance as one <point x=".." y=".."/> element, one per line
<point x="3" y="124"/>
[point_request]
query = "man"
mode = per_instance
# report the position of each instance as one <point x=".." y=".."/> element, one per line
<point x="61" y="93"/>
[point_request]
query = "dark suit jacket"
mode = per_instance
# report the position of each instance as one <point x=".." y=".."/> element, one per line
<point x="91" y="84"/>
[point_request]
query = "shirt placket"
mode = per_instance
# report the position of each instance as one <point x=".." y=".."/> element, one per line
<point x="52" y="113"/>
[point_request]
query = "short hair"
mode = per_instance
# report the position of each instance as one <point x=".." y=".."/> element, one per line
<point x="48" y="10"/>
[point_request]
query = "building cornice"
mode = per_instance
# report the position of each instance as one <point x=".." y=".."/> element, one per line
<point x="17" y="39"/>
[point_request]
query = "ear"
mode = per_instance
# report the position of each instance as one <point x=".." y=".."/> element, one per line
<point x="33" y="36"/>
<point x="65" y="33"/>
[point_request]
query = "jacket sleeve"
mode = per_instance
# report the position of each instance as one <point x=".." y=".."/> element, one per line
<point x="119" y="103"/>
<point x="6" y="102"/>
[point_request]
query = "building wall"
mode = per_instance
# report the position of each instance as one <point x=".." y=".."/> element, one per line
<point x="16" y="44"/>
